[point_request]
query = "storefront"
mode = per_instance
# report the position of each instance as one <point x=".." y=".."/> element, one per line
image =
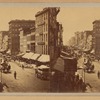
<point x="44" y="59"/>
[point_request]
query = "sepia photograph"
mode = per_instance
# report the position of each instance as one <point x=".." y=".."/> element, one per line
<point x="50" y="48"/>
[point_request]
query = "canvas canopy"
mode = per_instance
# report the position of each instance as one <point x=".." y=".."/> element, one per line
<point x="35" y="56"/>
<point x="43" y="67"/>
<point x="44" y="58"/>
<point x="28" y="55"/>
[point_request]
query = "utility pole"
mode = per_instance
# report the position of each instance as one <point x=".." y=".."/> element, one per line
<point x="1" y="68"/>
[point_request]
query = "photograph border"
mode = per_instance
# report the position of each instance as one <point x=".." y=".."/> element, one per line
<point x="93" y="96"/>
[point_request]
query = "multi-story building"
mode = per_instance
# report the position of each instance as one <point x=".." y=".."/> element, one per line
<point x="23" y="39"/>
<point x="84" y="40"/>
<point x="3" y="41"/>
<point x="14" y="38"/>
<point x="96" y="37"/>
<point x="72" y="41"/>
<point x="87" y="40"/>
<point x="32" y="42"/>
<point x="79" y="40"/>
<point x="47" y="31"/>
<point x="60" y="35"/>
<point x="27" y="39"/>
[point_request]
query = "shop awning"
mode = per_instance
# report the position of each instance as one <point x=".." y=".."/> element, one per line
<point x="35" y="56"/>
<point x="44" y="58"/>
<point x="87" y="50"/>
<point x="8" y="52"/>
<point x="43" y="66"/>
<point x="20" y="54"/>
<point x="92" y="51"/>
<point x="28" y="55"/>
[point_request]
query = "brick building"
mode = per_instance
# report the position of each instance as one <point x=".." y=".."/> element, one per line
<point x="96" y="36"/>
<point x="3" y="41"/>
<point x="27" y="39"/>
<point x="47" y="29"/>
<point x="14" y="38"/>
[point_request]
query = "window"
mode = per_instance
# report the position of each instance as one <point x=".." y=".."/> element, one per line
<point x="46" y="49"/>
<point x="42" y="37"/>
<point x="46" y="27"/>
<point x="44" y="16"/>
<point x="42" y="49"/>
<point x="46" y="37"/>
<point x="33" y="37"/>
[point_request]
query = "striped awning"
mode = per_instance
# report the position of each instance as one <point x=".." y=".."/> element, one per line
<point x="27" y="55"/>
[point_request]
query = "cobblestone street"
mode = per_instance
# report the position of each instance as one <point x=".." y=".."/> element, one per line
<point x="26" y="81"/>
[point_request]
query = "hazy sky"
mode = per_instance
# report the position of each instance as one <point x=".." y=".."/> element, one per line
<point x="73" y="18"/>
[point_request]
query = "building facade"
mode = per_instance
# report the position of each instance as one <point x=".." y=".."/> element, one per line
<point x="72" y="41"/>
<point x="32" y="42"/>
<point x="87" y="40"/>
<point x="79" y="40"/>
<point x="3" y="41"/>
<point x="96" y="37"/>
<point x="60" y="35"/>
<point x="82" y="40"/>
<point x="27" y="39"/>
<point x="47" y="28"/>
<point x="14" y="38"/>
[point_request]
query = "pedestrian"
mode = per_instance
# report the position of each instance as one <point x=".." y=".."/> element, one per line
<point x="80" y="82"/>
<point x="15" y="74"/>
<point x="98" y="58"/>
<point x="22" y="66"/>
<point x="76" y="79"/>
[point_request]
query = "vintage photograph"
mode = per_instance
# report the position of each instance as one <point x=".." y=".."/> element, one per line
<point x="49" y="49"/>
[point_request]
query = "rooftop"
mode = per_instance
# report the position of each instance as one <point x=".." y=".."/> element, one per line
<point x="96" y="21"/>
<point x="20" y="21"/>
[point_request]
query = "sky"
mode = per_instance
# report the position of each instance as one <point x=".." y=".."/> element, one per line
<point x="73" y="17"/>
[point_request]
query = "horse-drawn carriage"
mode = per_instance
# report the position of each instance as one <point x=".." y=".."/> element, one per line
<point x="89" y="66"/>
<point x="5" y="67"/>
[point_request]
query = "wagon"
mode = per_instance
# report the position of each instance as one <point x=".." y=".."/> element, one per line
<point x="42" y="72"/>
<point x="6" y="67"/>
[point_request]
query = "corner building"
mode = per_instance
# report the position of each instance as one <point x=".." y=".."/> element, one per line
<point x="96" y="37"/>
<point x="46" y="37"/>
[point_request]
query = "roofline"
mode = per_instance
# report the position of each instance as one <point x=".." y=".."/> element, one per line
<point x="41" y="12"/>
<point x="98" y="21"/>
<point x="16" y="20"/>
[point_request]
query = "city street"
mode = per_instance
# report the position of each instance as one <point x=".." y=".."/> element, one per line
<point x="92" y="78"/>
<point x="26" y="81"/>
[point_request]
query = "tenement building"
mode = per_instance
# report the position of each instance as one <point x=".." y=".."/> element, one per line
<point x="3" y="41"/>
<point x="87" y="41"/>
<point x="14" y="38"/>
<point x="47" y="27"/>
<point x="27" y="39"/>
<point x="96" y="37"/>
